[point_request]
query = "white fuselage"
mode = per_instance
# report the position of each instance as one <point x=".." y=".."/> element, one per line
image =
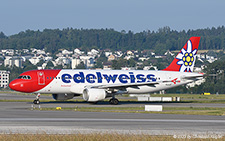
<point x="75" y="81"/>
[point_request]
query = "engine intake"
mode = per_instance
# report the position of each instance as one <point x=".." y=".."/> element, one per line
<point x="93" y="95"/>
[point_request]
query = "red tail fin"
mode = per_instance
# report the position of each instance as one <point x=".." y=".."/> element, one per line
<point x="185" y="59"/>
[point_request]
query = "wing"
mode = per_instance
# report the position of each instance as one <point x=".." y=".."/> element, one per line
<point x="124" y="85"/>
<point x="199" y="75"/>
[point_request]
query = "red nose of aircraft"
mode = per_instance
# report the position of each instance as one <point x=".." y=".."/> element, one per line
<point x="16" y="85"/>
<point x="21" y="85"/>
<point x="25" y="85"/>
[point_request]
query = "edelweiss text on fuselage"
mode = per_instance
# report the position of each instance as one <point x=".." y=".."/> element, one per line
<point x="98" y="77"/>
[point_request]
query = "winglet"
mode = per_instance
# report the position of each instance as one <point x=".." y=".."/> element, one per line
<point x="185" y="59"/>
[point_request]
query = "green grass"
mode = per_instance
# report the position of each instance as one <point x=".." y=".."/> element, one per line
<point x="42" y="100"/>
<point x="182" y="96"/>
<point x="166" y="110"/>
<point x="98" y="137"/>
<point x="185" y="98"/>
<point x="194" y="110"/>
<point x="192" y="96"/>
<point x="20" y="93"/>
<point x="121" y="100"/>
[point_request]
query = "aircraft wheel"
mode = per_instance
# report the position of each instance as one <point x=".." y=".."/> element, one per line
<point x="114" y="101"/>
<point x="36" y="101"/>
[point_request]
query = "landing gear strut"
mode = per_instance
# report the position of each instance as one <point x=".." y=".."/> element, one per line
<point x="113" y="101"/>
<point x="37" y="101"/>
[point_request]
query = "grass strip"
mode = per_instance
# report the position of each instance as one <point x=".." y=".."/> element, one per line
<point x="166" y="110"/>
<point x="191" y="96"/>
<point x="102" y="137"/>
<point x="121" y="100"/>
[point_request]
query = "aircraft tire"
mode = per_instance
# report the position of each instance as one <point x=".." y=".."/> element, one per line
<point x="36" y="101"/>
<point x="114" y="101"/>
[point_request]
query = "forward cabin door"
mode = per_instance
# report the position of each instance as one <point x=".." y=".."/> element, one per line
<point x="41" y="78"/>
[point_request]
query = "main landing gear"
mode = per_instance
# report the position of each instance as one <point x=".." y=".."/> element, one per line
<point x="37" y="101"/>
<point x="113" y="101"/>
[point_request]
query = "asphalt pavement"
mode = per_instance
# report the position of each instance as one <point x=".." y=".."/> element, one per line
<point x="17" y="117"/>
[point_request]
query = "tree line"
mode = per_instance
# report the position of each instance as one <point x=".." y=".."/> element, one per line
<point x="86" y="39"/>
<point x="159" y="41"/>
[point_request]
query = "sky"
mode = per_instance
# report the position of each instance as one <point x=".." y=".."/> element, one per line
<point x="134" y="15"/>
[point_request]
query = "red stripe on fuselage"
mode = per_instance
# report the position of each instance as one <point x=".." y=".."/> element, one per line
<point x="35" y="83"/>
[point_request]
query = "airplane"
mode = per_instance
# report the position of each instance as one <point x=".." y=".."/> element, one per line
<point x="97" y="85"/>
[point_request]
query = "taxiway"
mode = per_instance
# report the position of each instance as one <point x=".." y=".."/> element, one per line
<point x="16" y="117"/>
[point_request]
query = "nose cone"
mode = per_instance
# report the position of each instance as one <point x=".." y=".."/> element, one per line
<point x="21" y="85"/>
<point x="15" y="85"/>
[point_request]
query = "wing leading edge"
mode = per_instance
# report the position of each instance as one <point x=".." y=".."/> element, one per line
<point x="124" y="85"/>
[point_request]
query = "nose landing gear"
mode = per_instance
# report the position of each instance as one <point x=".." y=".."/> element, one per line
<point x="37" y="101"/>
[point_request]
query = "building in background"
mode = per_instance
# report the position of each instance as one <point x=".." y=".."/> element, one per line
<point x="4" y="78"/>
<point x="13" y="61"/>
<point x="75" y="63"/>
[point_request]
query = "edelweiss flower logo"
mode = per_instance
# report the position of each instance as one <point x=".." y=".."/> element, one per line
<point x="187" y="58"/>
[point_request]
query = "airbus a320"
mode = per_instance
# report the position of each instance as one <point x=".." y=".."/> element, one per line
<point x="97" y="85"/>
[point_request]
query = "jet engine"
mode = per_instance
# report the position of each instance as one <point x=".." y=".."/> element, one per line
<point x="93" y="95"/>
<point x="63" y="96"/>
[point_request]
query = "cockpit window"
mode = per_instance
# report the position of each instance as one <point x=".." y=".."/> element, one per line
<point x="20" y="77"/>
<point x="24" y="77"/>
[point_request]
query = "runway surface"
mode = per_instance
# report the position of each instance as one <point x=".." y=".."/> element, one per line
<point x="125" y="103"/>
<point x="16" y="117"/>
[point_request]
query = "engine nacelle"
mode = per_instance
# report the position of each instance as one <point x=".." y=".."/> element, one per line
<point x="63" y="96"/>
<point x="93" y="95"/>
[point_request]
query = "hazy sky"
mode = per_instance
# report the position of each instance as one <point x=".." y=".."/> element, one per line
<point x="134" y="15"/>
